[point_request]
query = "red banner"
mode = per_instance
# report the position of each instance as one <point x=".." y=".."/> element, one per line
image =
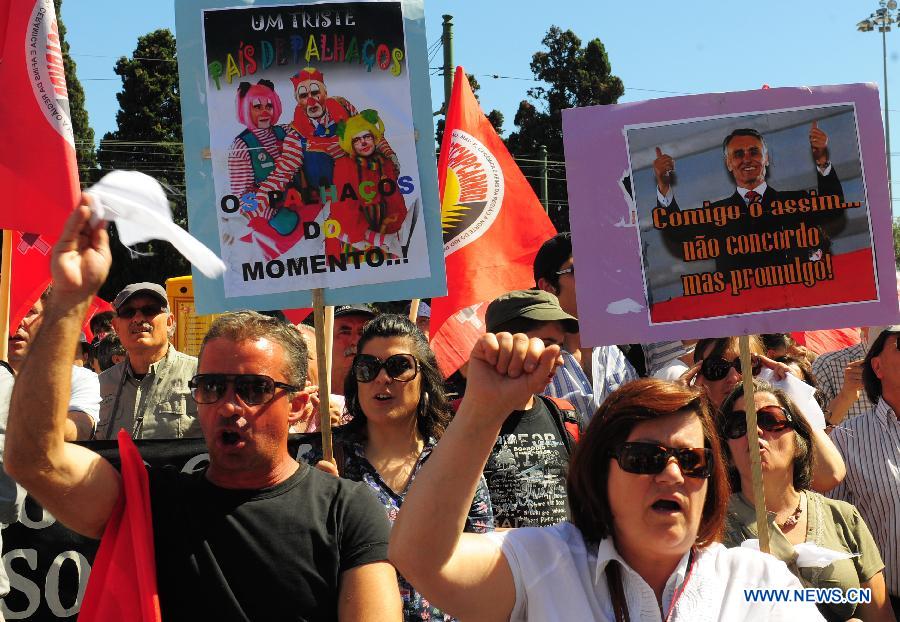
<point x="492" y="221"/>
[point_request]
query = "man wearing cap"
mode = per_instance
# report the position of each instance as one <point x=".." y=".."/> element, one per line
<point x="870" y="446"/>
<point x="526" y="471"/>
<point x="147" y="394"/>
<point x="604" y="368"/>
<point x="348" y="324"/>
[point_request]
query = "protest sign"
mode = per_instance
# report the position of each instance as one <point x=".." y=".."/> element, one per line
<point x="309" y="151"/>
<point x="809" y="248"/>
<point x="49" y="566"/>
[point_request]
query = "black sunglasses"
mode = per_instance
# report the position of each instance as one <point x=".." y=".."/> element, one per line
<point x="716" y="368"/>
<point x="146" y="311"/>
<point x="569" y="270"/>
<point x="253" y="389"/>
<point x="769" y="418"/>
<point x="402" y="367"/>
<point x="651" y="459"/>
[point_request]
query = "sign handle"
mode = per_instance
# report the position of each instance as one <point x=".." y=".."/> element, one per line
<point x="323" y="360"/>
<point x="759" y="495"/>
<point x="413" y="310"/>
<point x="5" y="274"/>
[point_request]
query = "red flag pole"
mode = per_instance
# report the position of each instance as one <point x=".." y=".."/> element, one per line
<point x="5" y="268"/>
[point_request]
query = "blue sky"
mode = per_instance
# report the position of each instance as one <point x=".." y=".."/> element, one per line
<point x="657" y="48"/>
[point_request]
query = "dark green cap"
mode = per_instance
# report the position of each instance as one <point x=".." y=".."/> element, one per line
<point x="534" y="304"/>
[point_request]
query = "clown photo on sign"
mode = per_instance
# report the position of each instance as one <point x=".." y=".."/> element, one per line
<point x="312" y="146"/>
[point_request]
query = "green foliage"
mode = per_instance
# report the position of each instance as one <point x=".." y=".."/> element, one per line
<point x="81" y="127"/>
<point x="575" y="76"/>
<point x="148" y="139"/>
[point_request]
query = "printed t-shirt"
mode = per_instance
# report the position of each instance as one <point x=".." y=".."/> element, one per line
<point x="526" y="471"/>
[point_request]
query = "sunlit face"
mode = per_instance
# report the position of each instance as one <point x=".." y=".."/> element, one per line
<point x="147" y="330"/>
<point x="364" y="144"/>
<point x="887" y="366"/>
<point x="19" y="342"/>
<point x="261" y="112"/>
<point x="347" y="331"/>
<point x="658" y="515"/>
<point x="747" y="160"/>
<point x="386" y="401"/>
<point x="245" y="440"/>
<point x="311" y="94"/>
<point x="776" y="449"/>
<point x="566" y="290"/>
<point x="718" y="390"/>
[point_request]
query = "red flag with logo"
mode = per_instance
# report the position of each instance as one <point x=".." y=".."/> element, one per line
<point x="493" y="226"/>
<point x="38" y="171"/>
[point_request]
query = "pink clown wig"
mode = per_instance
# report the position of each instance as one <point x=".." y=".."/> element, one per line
<point x="247" y="97"/>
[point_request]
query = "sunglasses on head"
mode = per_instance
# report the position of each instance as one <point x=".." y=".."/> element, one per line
<point x="146" y="311"/>
<point x="769" y="418"/>
<point x="402" y="367"/>
<point x="717" y="368"/>
<point x="651" y="459"/>
<point x="253" y="389"/>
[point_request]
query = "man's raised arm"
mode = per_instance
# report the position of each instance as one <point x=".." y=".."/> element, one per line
<point x="74" y="484"/>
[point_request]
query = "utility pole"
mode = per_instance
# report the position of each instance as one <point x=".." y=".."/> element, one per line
<point x="544" y="193"/>
<point x="447" y="43"/>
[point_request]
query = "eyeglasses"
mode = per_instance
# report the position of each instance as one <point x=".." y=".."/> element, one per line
<point x="147" y="311"/>
<point x="253" y="389"/>
<point x="716" y="368"/>
<point x="769" y="418"/>
<point x="569" y="270"/>
<point x="651" y="459"/>
<point x="402" y="367"/>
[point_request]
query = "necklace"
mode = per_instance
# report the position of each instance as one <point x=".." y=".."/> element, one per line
<point x="794" y="518"/>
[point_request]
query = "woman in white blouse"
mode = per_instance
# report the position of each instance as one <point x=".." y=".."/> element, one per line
<point x="647" y="497"/>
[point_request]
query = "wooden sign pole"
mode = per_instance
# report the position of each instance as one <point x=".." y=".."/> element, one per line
<point x="323" y="360"/>
<point x="413" y="310"/>
<point x="759" y="495"/>
<point x="5" y="274"/>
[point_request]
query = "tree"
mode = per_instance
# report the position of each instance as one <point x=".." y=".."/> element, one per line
<point x="575" y="76"/>
<point x="81" y="127"/>
<point x="148" y="139"/>
<point x="494" y="117"/>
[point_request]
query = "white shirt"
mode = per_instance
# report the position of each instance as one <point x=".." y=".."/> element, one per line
<point x="85" y="395"/>
<point x="558" y="576"/>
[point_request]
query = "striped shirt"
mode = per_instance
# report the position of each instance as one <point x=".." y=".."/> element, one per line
<point x="572" y="384"/>
<point x="870" y="446"/>
<point x="240" y="167"/>
<point x="610" y="370"/>
<point x="829" y="372"/>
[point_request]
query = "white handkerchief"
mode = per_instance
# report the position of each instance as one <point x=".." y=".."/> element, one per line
<point x="138" y="205"/>
<point x="800" y="393"/>
<point x="809" y="555"/>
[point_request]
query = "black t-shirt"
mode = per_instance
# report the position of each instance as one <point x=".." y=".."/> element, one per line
<point x="270" y="554"/>
<point x="526" y="471"/>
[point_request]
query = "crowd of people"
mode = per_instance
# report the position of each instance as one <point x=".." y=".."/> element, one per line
<point x="544" y="480"/>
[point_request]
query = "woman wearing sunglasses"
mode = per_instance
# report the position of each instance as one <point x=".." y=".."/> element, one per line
<point x="796" y="513"/>
<point x="718" y="371"/>
<point x="395" y="398"/>
<point x="647" y="493"/>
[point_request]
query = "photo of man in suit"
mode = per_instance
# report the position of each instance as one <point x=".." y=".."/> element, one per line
<point x="746" y="158"/>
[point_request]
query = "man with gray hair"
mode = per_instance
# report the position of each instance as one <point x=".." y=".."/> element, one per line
<point x="254" y="536"/>
<point x="147" y="393"/>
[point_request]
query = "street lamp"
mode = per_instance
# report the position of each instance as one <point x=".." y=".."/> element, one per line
<point x="882" y="18"/>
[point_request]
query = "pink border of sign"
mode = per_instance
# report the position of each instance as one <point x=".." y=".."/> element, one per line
<point x="607" y="255"/>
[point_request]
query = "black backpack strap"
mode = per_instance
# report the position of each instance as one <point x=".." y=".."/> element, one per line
<point x="566" y="418"/>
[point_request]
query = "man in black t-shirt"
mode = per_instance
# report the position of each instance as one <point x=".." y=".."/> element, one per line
<point x="526" y="471"/>
<point x="256" y="536"/>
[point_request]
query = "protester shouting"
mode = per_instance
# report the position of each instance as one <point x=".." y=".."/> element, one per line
<point x="647" y="492"/>
<point x="229" y="540"/>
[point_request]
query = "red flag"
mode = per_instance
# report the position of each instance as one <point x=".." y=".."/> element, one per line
<point x="123" y="577"/>
<point x="38" y="172"/>
<point x="493" y="226"/>
<point x="822" y="341"/>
